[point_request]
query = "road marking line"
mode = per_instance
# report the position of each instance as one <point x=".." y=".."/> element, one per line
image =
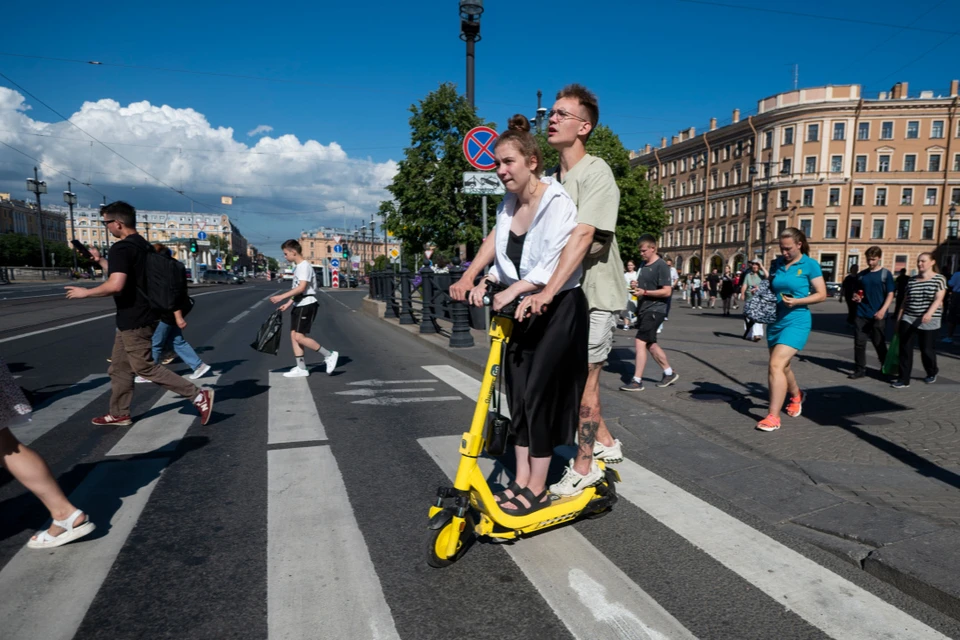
<point x="257" y="304"/>
<point x="293" y="414"/>
<point x="48" y="295"/>
<point x="380" y="383"/>
<point x="373" y="392"/>
<point x="58" y="409"/>
<point x="319" y="572"/>
<point x="164" y="427"/>
<point x="395" y="401"/>
<point x="465" y="384"/>
<point x="327" y="293"/>
<point x="587" y="592"/>
<point x="66" y="579"/>
<point x="238" y="316"/>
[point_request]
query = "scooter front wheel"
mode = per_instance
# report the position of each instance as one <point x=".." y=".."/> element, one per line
<point x="437" y="542"/>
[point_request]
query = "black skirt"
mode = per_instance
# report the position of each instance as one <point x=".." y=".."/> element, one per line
<point x="545" y="370"/>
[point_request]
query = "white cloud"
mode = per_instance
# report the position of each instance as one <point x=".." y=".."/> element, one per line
<point x="260" y="128"/>
<point x="183" y="149"/>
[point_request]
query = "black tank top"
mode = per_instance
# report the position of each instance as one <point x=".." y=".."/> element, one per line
<point x="515" y="249"/>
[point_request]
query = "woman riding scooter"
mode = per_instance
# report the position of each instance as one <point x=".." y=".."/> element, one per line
<point x="546" y="359"/>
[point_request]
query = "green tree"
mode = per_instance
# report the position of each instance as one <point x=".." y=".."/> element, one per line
<point x="641" y="204"/>
<point x="427" y="204"/>
<point x="272" y="264"/>
<point x="221" y="244"/>
<point x="24" y="251"/>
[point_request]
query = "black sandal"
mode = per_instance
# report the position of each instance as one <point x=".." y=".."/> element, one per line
<point x="501" y="497"/>
<point x="535" y="503"/>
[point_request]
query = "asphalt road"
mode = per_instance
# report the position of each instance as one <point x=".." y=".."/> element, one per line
<point x="299" y="511"/>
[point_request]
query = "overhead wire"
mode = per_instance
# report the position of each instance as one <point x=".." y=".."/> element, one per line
<point x="53" y="168"/>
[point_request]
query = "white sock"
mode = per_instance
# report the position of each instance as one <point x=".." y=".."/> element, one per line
<point x="300" y="363"/>
<point x="668" y="371"/>
<point x="636" y="379"/>
<point x="324" y="352"/>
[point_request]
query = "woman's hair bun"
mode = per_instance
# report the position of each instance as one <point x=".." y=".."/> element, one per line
<point x="518" y="122"/>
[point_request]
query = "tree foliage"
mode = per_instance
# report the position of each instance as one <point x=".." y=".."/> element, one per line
<point x="24" y="251"/>
<point x="427" y="205"/>
<point x="641" y="205"/>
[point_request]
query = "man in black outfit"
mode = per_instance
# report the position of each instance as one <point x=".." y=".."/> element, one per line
<point x="713" y="284"/>
<point x="902" y="281"/>
<point x="847" y="290"/>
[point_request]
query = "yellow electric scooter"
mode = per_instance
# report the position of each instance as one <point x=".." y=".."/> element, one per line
<point x="452" y="521"/>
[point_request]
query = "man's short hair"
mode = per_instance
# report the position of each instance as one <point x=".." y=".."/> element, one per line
<point x="292" y="244"/>
<point x="874" y="252"/>
<point x="647" y="238"/>
<point x="587" y="100"/>
<point x="122" y="212"/>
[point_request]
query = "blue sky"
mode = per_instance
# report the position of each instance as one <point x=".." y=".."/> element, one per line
<point x="346" y="73"/>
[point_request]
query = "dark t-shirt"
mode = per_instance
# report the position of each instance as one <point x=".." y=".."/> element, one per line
<point x="650" y="278"/>
<point x="849" y="287"/>
<point x="713" y="280"/>
<point x="126" y="256"/>
<point x="874" y="291"/>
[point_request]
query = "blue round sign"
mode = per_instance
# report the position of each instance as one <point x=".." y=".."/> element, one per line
<point x="201" y="235"/>
<point x="337" y="248"/>
<point x="478" y="147"/>
<point x="335" y="263"/>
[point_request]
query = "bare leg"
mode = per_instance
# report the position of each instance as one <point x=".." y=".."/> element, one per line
<point x="641" y="360"/>
<point x="308" y="342"/>
<point x="31" y="471"/>
<point x="659" y="355"/>
<point x="295" y="343"/>
<point x="592" y="427"/>
<point x="779" y="379"/>
<point x="536" y="477"/>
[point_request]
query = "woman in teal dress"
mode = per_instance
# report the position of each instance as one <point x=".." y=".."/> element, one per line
<point x="797" y="281"/>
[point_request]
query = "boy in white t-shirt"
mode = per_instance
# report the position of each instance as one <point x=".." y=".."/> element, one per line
<point x="304" y="302"/>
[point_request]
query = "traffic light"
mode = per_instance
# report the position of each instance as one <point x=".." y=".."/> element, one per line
<point x="193" y="246"/>
<point x="346" y="251"/>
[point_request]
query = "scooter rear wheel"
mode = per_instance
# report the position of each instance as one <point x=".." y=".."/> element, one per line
<point x="437" y="542"/>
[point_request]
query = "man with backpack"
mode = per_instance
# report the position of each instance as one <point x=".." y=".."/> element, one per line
<point x="873" y="296"/>
<point x="139" y="284"/>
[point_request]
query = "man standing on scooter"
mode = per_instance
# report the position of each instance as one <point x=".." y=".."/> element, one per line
<point x="591" y="184"/>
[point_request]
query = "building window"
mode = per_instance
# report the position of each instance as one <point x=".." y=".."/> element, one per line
<point x="808" y="197"/>
<point x="886" y="130"/>
<point x="883" y="164"/>
<point x="863" y="131"/>
<point x="839" y="130"/>
<point x="716" y="156"/>
<point x="836" y="164"/>
<point x="813" y="132"/>
<point x="913" y="129"/>
<point x="955" y="196"/>
<point x="834" y="197"/>
<point x="910" y="162"/>
<point x="710" y="235"/>
<point x="723" y="209"/>
<point x="881" y="197"/>
<point x="806" y="226"/>
<point x="936" y="129"/>
<point x="861" y="164"/>
<point x="713" y="210"/>
<point x="736" y="206"/>
<point x="726" y="178"/>
<point x="723" y="234"/>
<point x="787" y="165"/>
<point x="858" y="197"/>
<point x="931" y="198"/>
<point x="737" y="174"/>
<point x="784" y="199"/>
<point x="903" y="229"/>
<point x="788" y="135"/>
<point x="700" y="235"/>
<point x="683" y="188"/>
<point x="956" y="162"/>
<point x="733" y="232"/>
<point x="933" y="163"/>
<point x="726" y="152"/>
<point x="768" y="139"/>
<point x="855" y="226"/>
<point x="830" y="229"/>
<point x="906" y="195"/>
<point x="810" y="164"/>
<point x="926" y="232"/>
<point x="878" y="224"/>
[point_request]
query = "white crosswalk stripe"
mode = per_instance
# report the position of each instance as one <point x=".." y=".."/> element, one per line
<point x="59" y="408"/>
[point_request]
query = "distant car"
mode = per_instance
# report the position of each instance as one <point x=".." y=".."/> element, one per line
<point x="353" y="282"/>
<point x="189" y="273"/>
<point x="833" y="289"/>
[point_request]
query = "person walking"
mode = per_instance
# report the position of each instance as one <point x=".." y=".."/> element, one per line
<point x="696" y="291"/>
<point x="953" y="306"/>
<point x="630" y="314"/>
<point x="797" y="281"/>
<point x="919" y="320"/>
<point x="848" y="288"/>
<point x="726" y="290"/>
<point x="136" y="322"/>
<point x="902" y="280"/>
<point x="28" y="468"/>
<point x="713" y="287"/>
<point x="170" y="331"/>
<point x="302" y="297"/>
<point x="748" y="288"/>
<point x="873" y="297"/>
<point x="652" y="287"/>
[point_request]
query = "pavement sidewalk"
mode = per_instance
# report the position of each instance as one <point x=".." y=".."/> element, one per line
<point x="868" y="473"/>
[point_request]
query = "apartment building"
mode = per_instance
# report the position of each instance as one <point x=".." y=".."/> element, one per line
<point x="364" y="246"/>
<point x="17" y="216"/>
<point x="849" y="171"/>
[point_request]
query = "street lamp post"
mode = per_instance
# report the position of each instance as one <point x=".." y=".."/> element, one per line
<point x="470" y="11"/>
<point x="951" y="234"/>
<point x="373" y="226"/>
<point x="71" y="199"/>
<point x="37" y="186"/>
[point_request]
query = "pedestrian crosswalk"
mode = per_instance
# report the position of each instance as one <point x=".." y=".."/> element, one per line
<point x="323" y="578"/>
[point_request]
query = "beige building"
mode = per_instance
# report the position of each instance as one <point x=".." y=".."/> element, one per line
<point x="17" y="216"/>
<point x="850" y="172"/>
<point x="364" y="247"/>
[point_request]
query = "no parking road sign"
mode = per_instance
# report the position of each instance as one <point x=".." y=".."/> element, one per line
<point x="478" y="147"/>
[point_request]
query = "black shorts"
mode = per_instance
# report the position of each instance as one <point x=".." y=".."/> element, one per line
<point x="648" y="324"/>
<point x="301" y="318"/>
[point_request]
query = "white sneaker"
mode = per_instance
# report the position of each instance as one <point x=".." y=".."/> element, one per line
<point x="611" y="455"/>
<point x="140" y="380"/>
<point x="660" y="328"/>
<point x="199" y="373"/>
<point x="331" y="361"/>
<point x="296" y="372"/>
<point x="573" y="484"/>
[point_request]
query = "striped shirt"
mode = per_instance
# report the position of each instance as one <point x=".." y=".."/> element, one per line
<point x="921" y="294"/>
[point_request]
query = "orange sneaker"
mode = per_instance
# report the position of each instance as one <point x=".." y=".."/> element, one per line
<point x="770" y="423"/>
<point x="796" y="405"/>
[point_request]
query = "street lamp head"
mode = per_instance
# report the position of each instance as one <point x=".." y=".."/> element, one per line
<point x="69" y="197"/>
<point x="471" y="9"/>
<point x="36" y="186"/>
<point x="953" y="211"/>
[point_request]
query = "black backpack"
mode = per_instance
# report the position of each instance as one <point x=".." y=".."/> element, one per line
<point x="163" y="283"/>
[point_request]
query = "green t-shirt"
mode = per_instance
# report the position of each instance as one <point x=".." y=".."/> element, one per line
<point x="594" y="190"/>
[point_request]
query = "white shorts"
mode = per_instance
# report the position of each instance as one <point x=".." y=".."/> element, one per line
<point x="602" y="325"/>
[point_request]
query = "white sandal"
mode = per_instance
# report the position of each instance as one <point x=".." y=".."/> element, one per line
<point x="46" y="541"/>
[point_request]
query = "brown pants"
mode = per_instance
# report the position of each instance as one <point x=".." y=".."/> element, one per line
<point x="132" y="357"/>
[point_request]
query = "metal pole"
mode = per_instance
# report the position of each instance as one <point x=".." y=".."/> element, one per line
<point x="471" y="44"/>
<point x="486" y="309"/>
<point x="43" y="254"/>
<point x="73" y="231"/>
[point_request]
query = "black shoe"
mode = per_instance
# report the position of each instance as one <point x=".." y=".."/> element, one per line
<point x="900" y="385"/>
<point x="856" y="375"/>
<point x="930" y="379"/>
<point x="668" y="380"/>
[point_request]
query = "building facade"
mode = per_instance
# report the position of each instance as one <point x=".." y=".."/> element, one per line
<point x="849" y="172"/>
<point x="364" y="246"/>
<point x="17" y="216"/>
